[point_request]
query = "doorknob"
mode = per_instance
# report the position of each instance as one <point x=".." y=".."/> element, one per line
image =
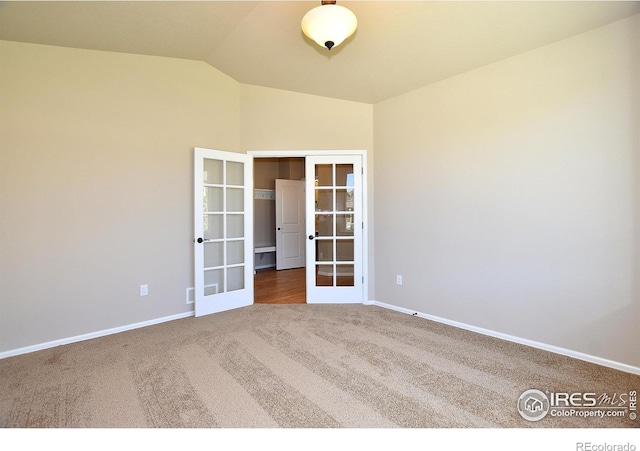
<point x="200" y="240"/>
<point x="311" y="237"/>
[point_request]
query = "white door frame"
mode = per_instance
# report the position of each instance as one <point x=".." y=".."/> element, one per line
<point x="365" y="212"/>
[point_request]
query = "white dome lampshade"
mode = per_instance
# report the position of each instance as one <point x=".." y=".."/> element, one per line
<point x="329" y="24"/>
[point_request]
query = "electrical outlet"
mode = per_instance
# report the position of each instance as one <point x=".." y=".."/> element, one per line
<point x="398" y="280"/>
<point x="144" y="290"/>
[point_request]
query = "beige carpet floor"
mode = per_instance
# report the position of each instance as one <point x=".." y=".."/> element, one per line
<point x="295" y="366"/>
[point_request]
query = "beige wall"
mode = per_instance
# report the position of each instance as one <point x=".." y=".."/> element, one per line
<point x="96" y="185"/>
<point x="272" y="119"/>
<point x="96" y="179"/>
<point x="509" y="197"/>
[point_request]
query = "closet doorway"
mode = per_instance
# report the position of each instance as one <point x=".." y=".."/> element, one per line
<point x="276" y="242"/>
<point x="335" y="208"/>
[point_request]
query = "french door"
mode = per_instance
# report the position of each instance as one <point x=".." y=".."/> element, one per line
<point x="223" y="243"/>
<point x="334" y="229"/>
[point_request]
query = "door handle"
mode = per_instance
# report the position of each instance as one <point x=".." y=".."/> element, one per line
<point x="200" y="240"/>
<point x="311" y="237"/>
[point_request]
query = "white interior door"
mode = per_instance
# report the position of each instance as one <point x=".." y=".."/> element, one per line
<point x="334" y="229"/>
<point x="290" y="224"/>
<point x="223" y="243"/>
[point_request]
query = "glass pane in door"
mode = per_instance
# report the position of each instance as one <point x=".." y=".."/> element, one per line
<point x="324" y="175"/>
<point x="324" y="225"/>
<point x="213" y="254"/>
<point x="324" y="250"/>
<point x="344" y="275"/>
<point x="213" y="226"/>
<point x="235" y="278"/>
<point x="235" y="225"/>
<point x="344" y="175"/>
<point x="213" y="282"/>
<point x="324" y="200"/>
<point x="235" y="252"/>
<point x="235" y="173"/>
<point x="324" y="276"/>
<point x="235" y="199"/>
<point x="213" y="200"/>
<point x="344" y="225"/>
<point x="212" y="172"/>
<point x="344" y="250"/>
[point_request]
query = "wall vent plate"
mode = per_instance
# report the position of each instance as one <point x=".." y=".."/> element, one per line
<point x="191" y="292"/>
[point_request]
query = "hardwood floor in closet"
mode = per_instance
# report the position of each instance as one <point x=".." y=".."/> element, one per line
<point x="280" y="287"/>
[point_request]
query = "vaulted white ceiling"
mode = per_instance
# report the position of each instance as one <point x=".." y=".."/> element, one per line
<point x="398" y="46"/>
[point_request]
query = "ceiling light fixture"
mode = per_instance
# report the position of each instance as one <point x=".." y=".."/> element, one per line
<point x="329" y="24"/>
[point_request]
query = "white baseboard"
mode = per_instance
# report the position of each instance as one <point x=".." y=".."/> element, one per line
<point x="523" y="341"/>
<point x="534" y="344"/>
<point x="101" y="333"/>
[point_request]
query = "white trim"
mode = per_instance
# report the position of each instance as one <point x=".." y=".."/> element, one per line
<point x="523" y="341"/>
<point x="302" y="153"/>
<point x="534" y="344"/>
<point x="89" y="336"/>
